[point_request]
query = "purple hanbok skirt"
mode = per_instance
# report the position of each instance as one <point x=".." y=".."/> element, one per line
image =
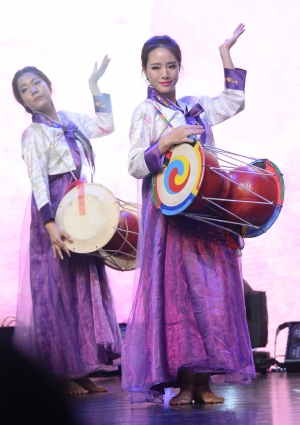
<point x="73" y="328"/>
<point x="189" y="309"/>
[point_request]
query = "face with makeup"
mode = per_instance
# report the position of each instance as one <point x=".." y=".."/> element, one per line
<point x="35" y="93"/>
<point x="162" y="71"/>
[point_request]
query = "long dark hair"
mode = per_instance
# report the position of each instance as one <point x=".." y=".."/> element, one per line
<point x="18" y="74"/>
<point x="160" y="41"/>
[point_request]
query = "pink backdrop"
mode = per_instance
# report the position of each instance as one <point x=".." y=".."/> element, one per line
<point x="65" y="38"/>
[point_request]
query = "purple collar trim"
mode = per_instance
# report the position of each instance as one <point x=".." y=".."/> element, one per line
<point x="160" y="98"/>
<point x="40" y="118"/>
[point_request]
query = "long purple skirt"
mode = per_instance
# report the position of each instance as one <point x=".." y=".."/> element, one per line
<point x="74" y="328"/>
<point x="189" y="309"/>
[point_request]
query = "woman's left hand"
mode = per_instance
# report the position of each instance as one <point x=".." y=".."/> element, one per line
<point x="98" y="72"/>
<point x="231" y="41"/>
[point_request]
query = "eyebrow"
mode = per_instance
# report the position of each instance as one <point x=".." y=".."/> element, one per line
<point x="159" y="63"/>
<point x="25" y="84"/>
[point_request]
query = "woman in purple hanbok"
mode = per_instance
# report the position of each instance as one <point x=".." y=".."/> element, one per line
<point x="188" y="320"/>
<point x="65" y="320"/>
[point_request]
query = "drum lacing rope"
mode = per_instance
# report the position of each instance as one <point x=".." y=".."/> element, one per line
<point x="120" y="232"/>
<point x="239" y="161"/>
<point x="266" y="201"/>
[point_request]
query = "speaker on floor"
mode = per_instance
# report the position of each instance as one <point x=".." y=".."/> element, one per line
<point x="6" y="334"/>
<point x="292" y="352"/>
<point x="257" y="315"/>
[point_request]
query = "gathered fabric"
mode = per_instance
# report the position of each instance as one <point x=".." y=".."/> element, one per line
<point x="189" y="309"/>
<point x="66" y="320"/>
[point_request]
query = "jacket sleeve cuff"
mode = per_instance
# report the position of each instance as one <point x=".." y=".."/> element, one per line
<point x="46" y="213"/>
<point x="152" y="158"/>
<point x="235" y="78"/>
<point x="102" y="103"/>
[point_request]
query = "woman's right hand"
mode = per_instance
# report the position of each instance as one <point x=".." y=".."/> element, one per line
<point x="56" y="236"/>
<point x="179" y="135"/>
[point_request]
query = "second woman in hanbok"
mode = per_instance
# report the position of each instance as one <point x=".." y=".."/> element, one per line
<point x="68" y="325"/>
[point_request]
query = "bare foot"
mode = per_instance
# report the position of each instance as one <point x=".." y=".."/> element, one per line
<point x="183" y="397"/>
<point x="89" y="385"/>
<point x="187" y="388"/>
<point x="70" y="387"/>
<point x="207" y="396"/>
<point x="203" y="392"/>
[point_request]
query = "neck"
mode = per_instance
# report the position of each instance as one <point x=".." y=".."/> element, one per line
<point x="171" y="96"/>
<point x="50" y="112"/>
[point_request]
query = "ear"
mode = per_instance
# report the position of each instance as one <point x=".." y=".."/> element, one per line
<point x="145" y="73"/>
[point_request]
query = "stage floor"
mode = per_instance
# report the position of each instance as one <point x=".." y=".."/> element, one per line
<point x="273" y="398"/>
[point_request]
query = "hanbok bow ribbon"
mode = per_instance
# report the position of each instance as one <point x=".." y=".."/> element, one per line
<point x="71" y="132"/>
<point x="195" y="111"/>
<point x="192" y="117"/>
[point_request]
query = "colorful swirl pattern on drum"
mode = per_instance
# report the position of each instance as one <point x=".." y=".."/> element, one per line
<point x="177" y="174"/>
<point x="176" y="186"/>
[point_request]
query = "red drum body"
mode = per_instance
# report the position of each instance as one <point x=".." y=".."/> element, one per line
<point x="255" y="198"/>
<point x="211" y="183"/>
<point x="249" y="187"/>
<point x="120" y="251"/>
<point x="242" y="197"/>
<point x="125" y="238"/>
<point x="100" y="224"/>
<point x="224" y="186"/>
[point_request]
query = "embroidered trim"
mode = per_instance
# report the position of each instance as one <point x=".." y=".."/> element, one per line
<point x="164" y="102"/>
<point x="99" y="105"/>
<point x="38" y="117"/>
<point x="231" y="80"/>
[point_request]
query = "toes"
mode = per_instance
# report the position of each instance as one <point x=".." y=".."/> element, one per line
<point x="209" y="398"/>
<point x="179" y="399"/>
<point x="79" y="392"/>
<point x="213" y="399"/>
<point x="102" y="389"/>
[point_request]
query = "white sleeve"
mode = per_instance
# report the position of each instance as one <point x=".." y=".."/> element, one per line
<point x="219" y="109"/>
<point x="141" y="138"/>
<point x="35" y="152"/>
<point x="99" y="126"/>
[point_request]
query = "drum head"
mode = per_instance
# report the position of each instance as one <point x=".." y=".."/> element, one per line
<point x="177" y="185"/>
<point x="93" y="225"/>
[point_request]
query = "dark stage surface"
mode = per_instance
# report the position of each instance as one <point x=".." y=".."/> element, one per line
<point x="273" y="398"/>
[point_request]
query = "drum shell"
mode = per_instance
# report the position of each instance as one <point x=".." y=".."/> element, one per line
<point x="225" y="185"/>
<point x="257" y="181"/>
<point x="210" y="185"/>
<point x="124" y="241"/>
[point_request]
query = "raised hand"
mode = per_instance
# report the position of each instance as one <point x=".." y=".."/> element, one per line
<point x="98" y="72"/>
<point x="240" y="29"/>
<point x="56" y="236"/>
